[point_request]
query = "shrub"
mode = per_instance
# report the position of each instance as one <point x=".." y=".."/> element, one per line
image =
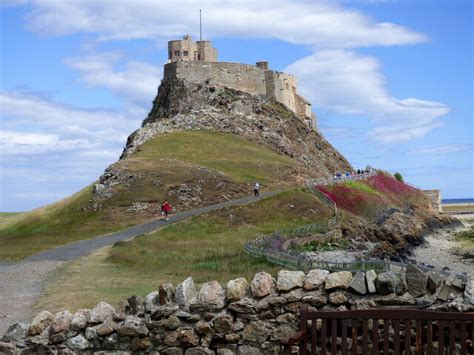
<point x="398" y="176"/>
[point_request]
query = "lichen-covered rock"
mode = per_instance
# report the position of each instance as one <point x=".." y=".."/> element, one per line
<point x="262" y="284"/>
<point x="371" y="278"/>
<point x="416" y="280"/>
<point x="315" y="279"/>
<point x="166" y="293"/>
<point x="288" y="280"/>
<point x="16" y="332"/>
<point x="388" y="282"/>
<point x="40" y="322"/>
<point x="102" y="312"/>
<point x="358" y="283"/>
<point x="77" y="343"/>
<point x="237" y="289"/>
<point x="469" y="290"/>
<point x="340" y="279"/>
<point x="212" y="293"/>
<point x="61" y="322"/>
<point x="338" y="297"/>
<point x="186" y="293"/>
<point x="80" y="319"/>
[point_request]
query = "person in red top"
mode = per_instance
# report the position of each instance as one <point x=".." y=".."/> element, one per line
<point x="165" y="209"/>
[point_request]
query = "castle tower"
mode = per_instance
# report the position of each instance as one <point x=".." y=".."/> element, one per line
<point x="186" y="50"/>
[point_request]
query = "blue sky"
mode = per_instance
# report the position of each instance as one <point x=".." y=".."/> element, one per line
<point x="390" y="81"/>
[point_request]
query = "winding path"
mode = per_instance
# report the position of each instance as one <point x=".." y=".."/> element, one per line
<point x="21" y="283"/>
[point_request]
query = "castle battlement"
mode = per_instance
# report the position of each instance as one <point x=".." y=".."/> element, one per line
<point x="196" y="62"/>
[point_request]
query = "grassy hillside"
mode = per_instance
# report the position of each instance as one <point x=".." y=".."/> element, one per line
<point x="214" y="166"/>
<point x="207" y="247"/>
<point x="367" y="198"/>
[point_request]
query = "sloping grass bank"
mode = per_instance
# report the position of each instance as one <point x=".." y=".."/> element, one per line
<point x="217" y="163"/>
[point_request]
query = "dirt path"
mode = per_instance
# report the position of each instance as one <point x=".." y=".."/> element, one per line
<point x="23" y="282"/>
<point x="437" y="251"/>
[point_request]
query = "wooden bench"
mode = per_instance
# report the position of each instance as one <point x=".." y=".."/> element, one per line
<point x="382" y="331"/>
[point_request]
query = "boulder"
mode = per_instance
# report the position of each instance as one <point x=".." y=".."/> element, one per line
<point x="188" y="338"/>
<point x="61" y="322"/>
<point x="247" y="350"/>
<point x="103" y="329"/>
<point x="370" y="278"/>
<point x="166" y="293"/>
<point x="358" y="283"/>
<point x="165" y="311"/>
<point x="102" y="312"/>
<point x="448" y="292"/>
<point x="151" y="300"/>
<point x="394" y="300"/>
<point x="212" y="293"/>
<point x="262" y="284"/>
<point x="224" y="351"/>
<point x="244" y="306"/>
<point x="315" y="279"/>
<point x="203" y="327"/>
<point x="172" y="351"/>
<point x="288" y="280"/>
<point x="132" y="328"/>
<point x="16" y="332"/>
<point x="111" y="341"/>
<point x="388" y="282"/>
<point x="469" y="290"/>
<point x="294" y="295"/>
<point x="340" y="279"/>
<point x="172" y="323"/>
<point x="237" y="289"/>
<point x="80" y="319"/>
<point x="456" y="280"/>
<point x="77" y="343"/>
<point x="40" y="322"/>
<point x="416" y="280"/>
<point x="185" y="292"/>
<point x="136" y="305"/>
<point x="315" y="299"/>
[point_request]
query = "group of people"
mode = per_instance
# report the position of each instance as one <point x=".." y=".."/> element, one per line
<point x="349" y="174"/>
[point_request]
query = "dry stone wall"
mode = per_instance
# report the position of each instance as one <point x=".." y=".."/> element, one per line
<point x="242" y="318"/>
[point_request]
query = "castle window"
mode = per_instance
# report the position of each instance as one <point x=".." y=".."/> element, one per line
<point x="176" y="53"/>
<point x="185" y="53"/>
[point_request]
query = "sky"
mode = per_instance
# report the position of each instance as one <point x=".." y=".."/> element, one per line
<point x="391" y="82"/>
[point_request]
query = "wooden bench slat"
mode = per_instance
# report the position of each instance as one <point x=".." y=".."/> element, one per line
<point x="323" y="337"/>
<point x="365" y="335"/>
<point x="344" y="337"/>
<point x="451" y="338"/>
<point x="463" y="338"/>
<point x="418" y="340"/>
<point x="314" y="336"/>
<point x="396" y="341"/>
<point x="429" y="337"/>
<point x="333" y="336"/>
<point x="440" y="337"/>
<point x="386" y="335"/>
<point x="354" y="337"/>
<point x="407" y="337"/>
<point x="375" y="336"/>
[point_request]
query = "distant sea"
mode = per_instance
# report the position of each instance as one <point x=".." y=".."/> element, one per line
<point x="456" y="201"/>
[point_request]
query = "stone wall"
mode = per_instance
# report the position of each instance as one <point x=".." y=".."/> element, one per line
<point x="435" y="199"/>
<point x="240" y="319"/>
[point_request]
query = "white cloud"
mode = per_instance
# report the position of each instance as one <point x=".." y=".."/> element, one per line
<point x="313" y="23"/>
<point x="136" y="84"/>
<point x="351" y="83"/>
<point x="442" y="149"/>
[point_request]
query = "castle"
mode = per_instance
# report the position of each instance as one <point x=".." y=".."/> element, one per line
<point x="196" y="62"/>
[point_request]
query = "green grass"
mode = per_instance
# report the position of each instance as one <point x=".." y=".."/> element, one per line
<point x="242" y="160"/>
<point x="161" y="164"/>
<point x="8" y="217"/>
<point x="360" y="186"/>
<point x="208" y="247"/>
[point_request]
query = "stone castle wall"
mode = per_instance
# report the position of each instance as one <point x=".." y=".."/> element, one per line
<point x="255" y="80"/>
<point x="241" y="319"/>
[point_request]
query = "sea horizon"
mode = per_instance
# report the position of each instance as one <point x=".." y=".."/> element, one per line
<point x="455" y="201"/>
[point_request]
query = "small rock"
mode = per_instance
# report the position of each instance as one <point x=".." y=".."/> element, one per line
<point x="387" y="282"/>
<point x="166" y="293"/>
<point x="188" y="338"/>
<point x="456" y="280"/>
<point x="102" y="312"/>
<point x="61" y="322"/>
<point x="338" y="297"/>
<point x="16" y="332"/>
<point x="172" y="351"/>
<point x="136" y="305"/>
<point x="224" y="351"/>
<point x="247" y="350"/>
<point x="262" y="284"/>
<point x="223" y="324"/>
<point x="7" y="348"/>
<point x="340" y="279"/>
<point x="434" y="280"/>
<point x="165" y="311"/>
<point x="212" y="293"/>
<point x="288" y="280"/>
<point x="315" y="279"/>
<point x="78" y="343"/>
<point x="370" y="278"/>
<point x="40" y="322"/>
<point x="358" y="283"/>
<point x="151" y="300"/>
<point x="186" y="292"/>
<point x="416" y="280"/>
<point x="237" y="289"/>
<point x="199" y="351"/>
<point x="203" y="328"/>
<point x="80" y="319"/>
<point x="111" y="341"/>
<point x="315" y="299"/>
<point x="448" y="292"/>
<point x="172" y="323"/>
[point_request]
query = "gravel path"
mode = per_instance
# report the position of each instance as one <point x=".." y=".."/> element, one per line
<point x="22" y="283"/>
<point x="437" y="252"/>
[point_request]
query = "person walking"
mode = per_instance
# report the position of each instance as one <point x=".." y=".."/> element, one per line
<point x="256" y="187"/>
<point x="166" y="209"/>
